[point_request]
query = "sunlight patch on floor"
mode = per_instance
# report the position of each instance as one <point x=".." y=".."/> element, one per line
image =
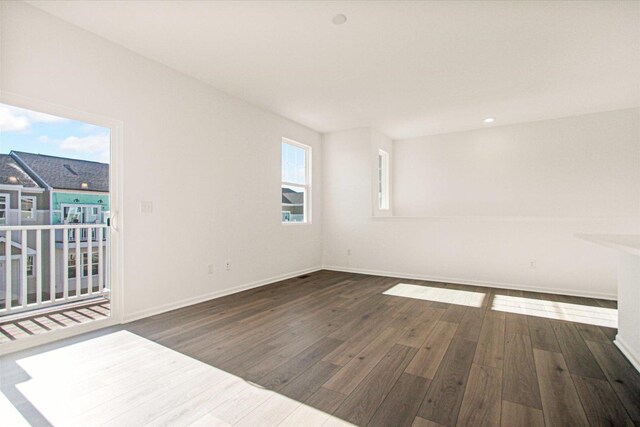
<point x="598" y="316"/>
<point x="123" y="379"/>
<point x="428" y="293"/>
<point x="10" y="416"/>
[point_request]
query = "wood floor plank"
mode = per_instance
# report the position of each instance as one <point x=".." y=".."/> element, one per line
<point x="600" y="403"/>
<point x="348" y="378"/>
<point x="579" y="359"/>
<point x="416" y="336"/>
<point x="481" y="405"/>
<point x="360" y="406"/>
<point x="471" y="324"/>
<point x="283" y="374"/>
<point x="515" y="415"/>
<point x="307" y="383"/>
<point x="444" y="397"/>
<point x="421" y="422"/>
<point x="516" y="324"/>
<point x="542" y="335"/>
<point x="400" y="406"/>
<point x="560" y="402"/>
<point x="519" y="381"/>
<point x="490" y="350"/>
<point x="326" y="400"/>
<point x="429" y="356"/>
<point x="623" y="378"/>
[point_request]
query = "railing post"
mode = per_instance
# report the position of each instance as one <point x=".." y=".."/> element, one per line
<point x="52" y="264"/>
<point x="7" y="270"/>
<point x="78" y="263"/>
<point x="65" y="265"/>
<point x="89" y="261"/>
<point x="37" y="266"/>
<point x="23" y="271"/>
<point x="100" y="262"/>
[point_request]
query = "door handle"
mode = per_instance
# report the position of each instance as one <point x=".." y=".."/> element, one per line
<point x="113" y="221"/>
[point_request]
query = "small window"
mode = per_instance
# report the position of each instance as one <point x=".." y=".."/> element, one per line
<point x="383" y="180"/>
<point x="296" y="182"/>
<point x="28" y="207"/>
<point x="30" y="265"/>
<point x="4" y="208"/>
<point x="71" y="266"/>
<point x="94" y="264"/>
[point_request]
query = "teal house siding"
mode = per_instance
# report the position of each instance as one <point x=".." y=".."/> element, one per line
<point x="66" y="198"/>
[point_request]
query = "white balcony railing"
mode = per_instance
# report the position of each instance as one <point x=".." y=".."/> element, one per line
<point x="38" y="270"/>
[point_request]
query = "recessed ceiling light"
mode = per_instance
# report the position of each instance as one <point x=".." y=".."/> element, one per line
<point x="489" y="120"/>
<point x="339" y="19"/>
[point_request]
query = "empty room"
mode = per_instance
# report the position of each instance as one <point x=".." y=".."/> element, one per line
<point x="319" y="213"/>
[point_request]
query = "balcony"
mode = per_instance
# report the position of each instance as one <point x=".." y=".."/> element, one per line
<point x="52" y="269"/>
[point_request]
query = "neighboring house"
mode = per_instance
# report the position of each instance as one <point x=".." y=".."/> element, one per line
<point x="56" y="190"/>
<point x="22" y="202"/>
<point x="292" y="205"/>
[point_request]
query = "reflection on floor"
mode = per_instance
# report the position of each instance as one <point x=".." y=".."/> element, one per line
<point x="123" y="379"/>
<point x="599" y="316"/>
<point x="428" y="293"/>
<point x="27" y="324"/>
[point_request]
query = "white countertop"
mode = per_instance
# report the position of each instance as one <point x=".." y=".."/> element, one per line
<point x="624" y="242"/>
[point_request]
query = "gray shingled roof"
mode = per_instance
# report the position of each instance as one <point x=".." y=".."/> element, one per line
<point x="9" y="168"/>
<point x="67" y="174"/>
<point x="292" y="197"/>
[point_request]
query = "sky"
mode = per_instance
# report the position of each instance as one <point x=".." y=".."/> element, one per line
<point x="34" y="132"/>
<point x="293" y="164"/>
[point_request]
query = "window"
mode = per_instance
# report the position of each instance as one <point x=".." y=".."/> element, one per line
<point x="94" y="264"/>
<point x="296" y="182"/>
<point x="4" y="208"/>
<point x="383" y="179"/>
<point x="30" y="265"/>
<point x="71" y="266"/>
<point x="28" y="207"/>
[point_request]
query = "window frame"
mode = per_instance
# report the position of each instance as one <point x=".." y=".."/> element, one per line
<point x="31" y="264"/>
<point x="95" y="260"/>
<point x="72" y="266"/>
<point x="383" y="180"/>
<point x="306" y="187"/>
<point x="7" y="208"/>
<point x="32" y="212"/>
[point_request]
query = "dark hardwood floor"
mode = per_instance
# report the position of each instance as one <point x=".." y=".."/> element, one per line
<point x="335" y="342"/>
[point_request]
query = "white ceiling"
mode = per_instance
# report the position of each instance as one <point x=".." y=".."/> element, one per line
<point x="406" y="68"/>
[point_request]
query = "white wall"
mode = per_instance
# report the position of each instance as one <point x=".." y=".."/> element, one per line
<point x="480" y="206"/>
<point x="584" y="166"/>
<point x="209" y="163"/>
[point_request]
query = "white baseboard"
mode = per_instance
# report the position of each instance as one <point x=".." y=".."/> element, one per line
<point x="626" y="350"/>
<point x="514" y="286"/>
<point x="212" y="295"/>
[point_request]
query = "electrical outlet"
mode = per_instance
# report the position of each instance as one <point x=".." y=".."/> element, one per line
<point x="210" y="268"/>
<point x="227" y="265"/>
<point x="349" y="252"/>
<point x="146" y="207"/>
<point x="533" y="263"/>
